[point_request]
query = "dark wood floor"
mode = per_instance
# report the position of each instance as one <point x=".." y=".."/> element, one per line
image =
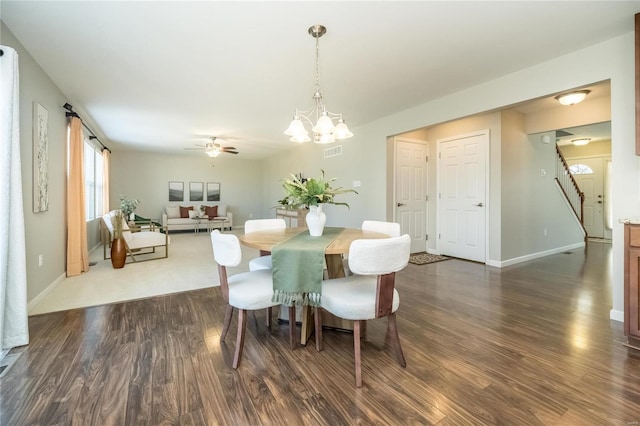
<point x="527" y="344"/>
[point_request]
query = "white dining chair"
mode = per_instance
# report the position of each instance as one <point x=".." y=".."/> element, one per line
<point x="247" y="291"/>
<point x="391" y="229"/>
<point x="254" y="225"/>
<point x="367" y="294"/>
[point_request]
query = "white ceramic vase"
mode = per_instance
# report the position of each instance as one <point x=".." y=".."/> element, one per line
<point x="316" y="219"/>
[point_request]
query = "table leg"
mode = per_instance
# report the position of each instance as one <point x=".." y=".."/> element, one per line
<point x="335" y="269"/>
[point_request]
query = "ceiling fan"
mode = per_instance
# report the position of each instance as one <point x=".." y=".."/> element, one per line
<point x="213" y="148"/>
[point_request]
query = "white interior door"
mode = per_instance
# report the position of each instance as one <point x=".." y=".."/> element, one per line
<point x="589" y="175"/>
<point x="411" y="192"/>
<point x="462" y="201"/>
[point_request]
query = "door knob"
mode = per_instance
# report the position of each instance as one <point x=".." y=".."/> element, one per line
<point x="400" y="204"/>
<point x="479" y="205"/>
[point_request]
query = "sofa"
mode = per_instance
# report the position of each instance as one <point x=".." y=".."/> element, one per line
<point x="193" y="217"/>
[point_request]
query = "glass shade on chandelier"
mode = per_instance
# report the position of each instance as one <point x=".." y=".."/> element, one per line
<point x="324" y="130"/>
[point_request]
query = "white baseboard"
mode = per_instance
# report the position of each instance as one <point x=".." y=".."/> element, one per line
<point x="532" y="256"/>
<point x="34" y="302"/>
<point x="616" y="315"/>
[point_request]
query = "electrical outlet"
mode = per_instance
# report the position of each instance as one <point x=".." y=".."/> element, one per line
<point x="40" y="260"/>
<point x="250" y="215"/>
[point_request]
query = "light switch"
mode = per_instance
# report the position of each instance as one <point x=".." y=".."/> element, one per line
<point x="357" y="184"/>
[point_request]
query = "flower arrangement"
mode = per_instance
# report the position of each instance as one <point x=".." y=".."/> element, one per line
<point x="128" y="206"/>
<point x="311" y="192"/>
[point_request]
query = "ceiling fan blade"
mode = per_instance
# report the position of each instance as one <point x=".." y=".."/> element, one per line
<point x="231" y="152"/>
<point x="193" y="149"/>
<point x="229" y="147"/>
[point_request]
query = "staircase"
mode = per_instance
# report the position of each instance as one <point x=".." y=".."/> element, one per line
<point x="570" y="189"/>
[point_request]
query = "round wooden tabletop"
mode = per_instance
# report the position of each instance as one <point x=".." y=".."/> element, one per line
<point x="265" y="240"/>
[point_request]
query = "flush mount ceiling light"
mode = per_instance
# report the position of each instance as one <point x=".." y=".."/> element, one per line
<point x="581" y="141"/>
<point x="324" y="131"/>
<point x="573" y="98"/>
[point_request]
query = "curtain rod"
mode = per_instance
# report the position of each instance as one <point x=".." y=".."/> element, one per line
<point x="71" y="113"/>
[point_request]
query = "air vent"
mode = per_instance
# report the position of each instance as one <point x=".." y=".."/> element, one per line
<point x="562" y="134"/>
<point x="334" y="151"/>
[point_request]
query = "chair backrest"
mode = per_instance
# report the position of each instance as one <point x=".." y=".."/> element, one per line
<point x="226" y="249"/>
<point x="392" y="229"/>
<point x="255" y="225"/>
<point x="379" y="256"/>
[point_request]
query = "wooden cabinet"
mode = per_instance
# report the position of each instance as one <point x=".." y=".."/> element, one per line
<point x="293" y="217"/>
<point x="632" y="284"/>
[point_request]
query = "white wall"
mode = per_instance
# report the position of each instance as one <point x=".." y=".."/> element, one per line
<point x="146" y="176"/>
<point x="366" y="160"/>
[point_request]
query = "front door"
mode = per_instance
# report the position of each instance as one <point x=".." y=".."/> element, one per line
<point x="589" y="175"/>
<point x="462" y="201"/>
<point x="411" y="191"/>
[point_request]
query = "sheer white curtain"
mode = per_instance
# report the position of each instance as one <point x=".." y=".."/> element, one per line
<point x="14" y="329"/>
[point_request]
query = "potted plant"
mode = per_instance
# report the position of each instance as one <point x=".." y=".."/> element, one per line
<point x="313" y="193"/>
<point x="118" y="248"/>
<point x="128" y="206"/>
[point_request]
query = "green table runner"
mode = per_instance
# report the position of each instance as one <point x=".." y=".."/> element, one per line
<point x="297" y="268"/>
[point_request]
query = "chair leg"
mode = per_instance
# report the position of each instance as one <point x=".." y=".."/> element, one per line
<point x="356" y="352"/>
<point x="227" y="322"/>
<point x="392" y="331"/>
<point x="242" y="325"/>
<point x="317" y="316"/>
<point x="269" y="317"/>
<point x="292" y="327"/>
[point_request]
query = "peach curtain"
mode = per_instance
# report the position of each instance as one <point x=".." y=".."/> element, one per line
<point x="106" y="178"/>
<point x="77" y="252"/>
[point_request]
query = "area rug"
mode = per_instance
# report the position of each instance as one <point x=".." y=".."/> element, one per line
<point x="424" y="258"/>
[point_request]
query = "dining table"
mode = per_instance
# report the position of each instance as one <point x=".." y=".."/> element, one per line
<point x="265" y="241"/>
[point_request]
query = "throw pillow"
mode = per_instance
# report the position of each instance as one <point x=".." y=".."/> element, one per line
<point x="222" y="210"/>
<point x="184" y="211"/>
<point x="211" y="212"/>
<point x="193" y="214"/>
<point x="173" y="211"/>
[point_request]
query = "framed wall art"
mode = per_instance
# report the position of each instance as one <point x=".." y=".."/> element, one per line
<point x="40" y="158"/>
<point x="176" y="191"/>
<point x="196" y="191"/>
<point x="213" y="191"/>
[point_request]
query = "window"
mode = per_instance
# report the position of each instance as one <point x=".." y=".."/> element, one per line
<point x="580" y="169"/>
<point x="92" y="181"/>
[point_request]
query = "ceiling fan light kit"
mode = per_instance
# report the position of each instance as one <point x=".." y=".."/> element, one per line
<point x="324" y="131"/>
<point x="213" y="148"/>
<point x="572" y="98"/>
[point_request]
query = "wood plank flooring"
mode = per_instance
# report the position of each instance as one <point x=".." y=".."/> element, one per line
<point x="530" y="344"/>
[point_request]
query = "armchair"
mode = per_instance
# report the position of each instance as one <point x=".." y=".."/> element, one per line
<point x="137" y="243"/>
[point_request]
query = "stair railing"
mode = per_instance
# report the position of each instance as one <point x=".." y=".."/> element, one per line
<point x="569" y="187"/>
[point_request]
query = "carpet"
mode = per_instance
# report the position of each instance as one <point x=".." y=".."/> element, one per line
<point x="424" y="258"/>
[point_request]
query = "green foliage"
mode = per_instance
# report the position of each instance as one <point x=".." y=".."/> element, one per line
<point x="313" y="191"/>
<point x="128" y="206"/>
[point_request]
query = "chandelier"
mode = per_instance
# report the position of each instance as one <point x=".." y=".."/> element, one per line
<point x="324" y="131"/>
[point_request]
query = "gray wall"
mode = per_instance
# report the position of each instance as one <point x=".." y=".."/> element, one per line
<point x="45" y="232"/>
<point x="146" y="176"/>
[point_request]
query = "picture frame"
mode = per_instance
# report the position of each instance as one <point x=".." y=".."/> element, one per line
<point x="40" y="158"/>
<point x="176" y="191"/>
<point x="196" y="191"/>
<point x="213" y="191"/>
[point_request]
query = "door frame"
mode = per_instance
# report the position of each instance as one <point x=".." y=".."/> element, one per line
<point x="487" y="188"/>
<point x="394" y="181"/>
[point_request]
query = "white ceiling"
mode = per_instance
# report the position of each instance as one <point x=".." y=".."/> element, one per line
<point x="166" y="75"/>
